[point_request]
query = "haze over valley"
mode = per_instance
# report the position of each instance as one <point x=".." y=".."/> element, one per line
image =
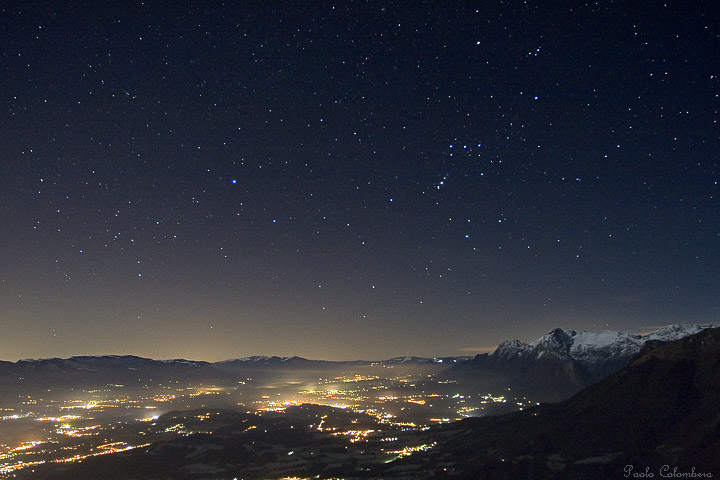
<point x="67" y="411"/>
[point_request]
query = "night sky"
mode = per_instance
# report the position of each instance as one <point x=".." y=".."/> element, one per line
<point x="345" y="180"/>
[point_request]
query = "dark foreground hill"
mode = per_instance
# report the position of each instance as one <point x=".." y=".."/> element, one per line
<point x="662" y="410"/>
<point x="658" y="417"/>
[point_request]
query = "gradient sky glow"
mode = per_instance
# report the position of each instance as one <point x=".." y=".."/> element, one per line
<point x="345" y="180"/>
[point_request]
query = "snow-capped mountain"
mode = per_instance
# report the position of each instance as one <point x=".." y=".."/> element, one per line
<point x="601" y="352"/>
<point x="263" y="362"/>
<point x="259" y="359"/>
<point x="663" y="408"/>
<point x="560" y="363"/>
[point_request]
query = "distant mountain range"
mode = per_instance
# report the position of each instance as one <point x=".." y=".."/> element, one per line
<point x="551" y="368"/>
<point x="28" y="376"/>
<point x="658" y="417"/>
<point x="300" y="361"/>
<point x="558" y="364"/>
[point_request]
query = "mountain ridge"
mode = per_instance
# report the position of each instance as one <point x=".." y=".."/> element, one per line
<point x="660" y="413"/>
<point x="559" y="364"/>
<point x="659" y="416"/>
<point x="551" y="368"/>
<point x="666" y="333"/>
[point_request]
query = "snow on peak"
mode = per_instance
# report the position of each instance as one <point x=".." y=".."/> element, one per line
<point x="555" y="339"/>
<point x="258" y="359"/>
<point x="591" y="346"/>
<point x="511" y="348"/>
<point x="675" y="331"/>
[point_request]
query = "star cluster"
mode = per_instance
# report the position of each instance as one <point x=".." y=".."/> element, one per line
<point x="353" y="179"/>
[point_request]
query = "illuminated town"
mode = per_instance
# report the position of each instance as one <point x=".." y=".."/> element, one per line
<point x="71" y="426"/>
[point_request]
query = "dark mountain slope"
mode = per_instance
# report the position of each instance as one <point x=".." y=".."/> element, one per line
<point x="662" y="409"/>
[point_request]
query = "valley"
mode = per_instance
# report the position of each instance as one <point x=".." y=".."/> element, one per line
<point x="70" y="425"/>
<point x="111" y="417"/>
